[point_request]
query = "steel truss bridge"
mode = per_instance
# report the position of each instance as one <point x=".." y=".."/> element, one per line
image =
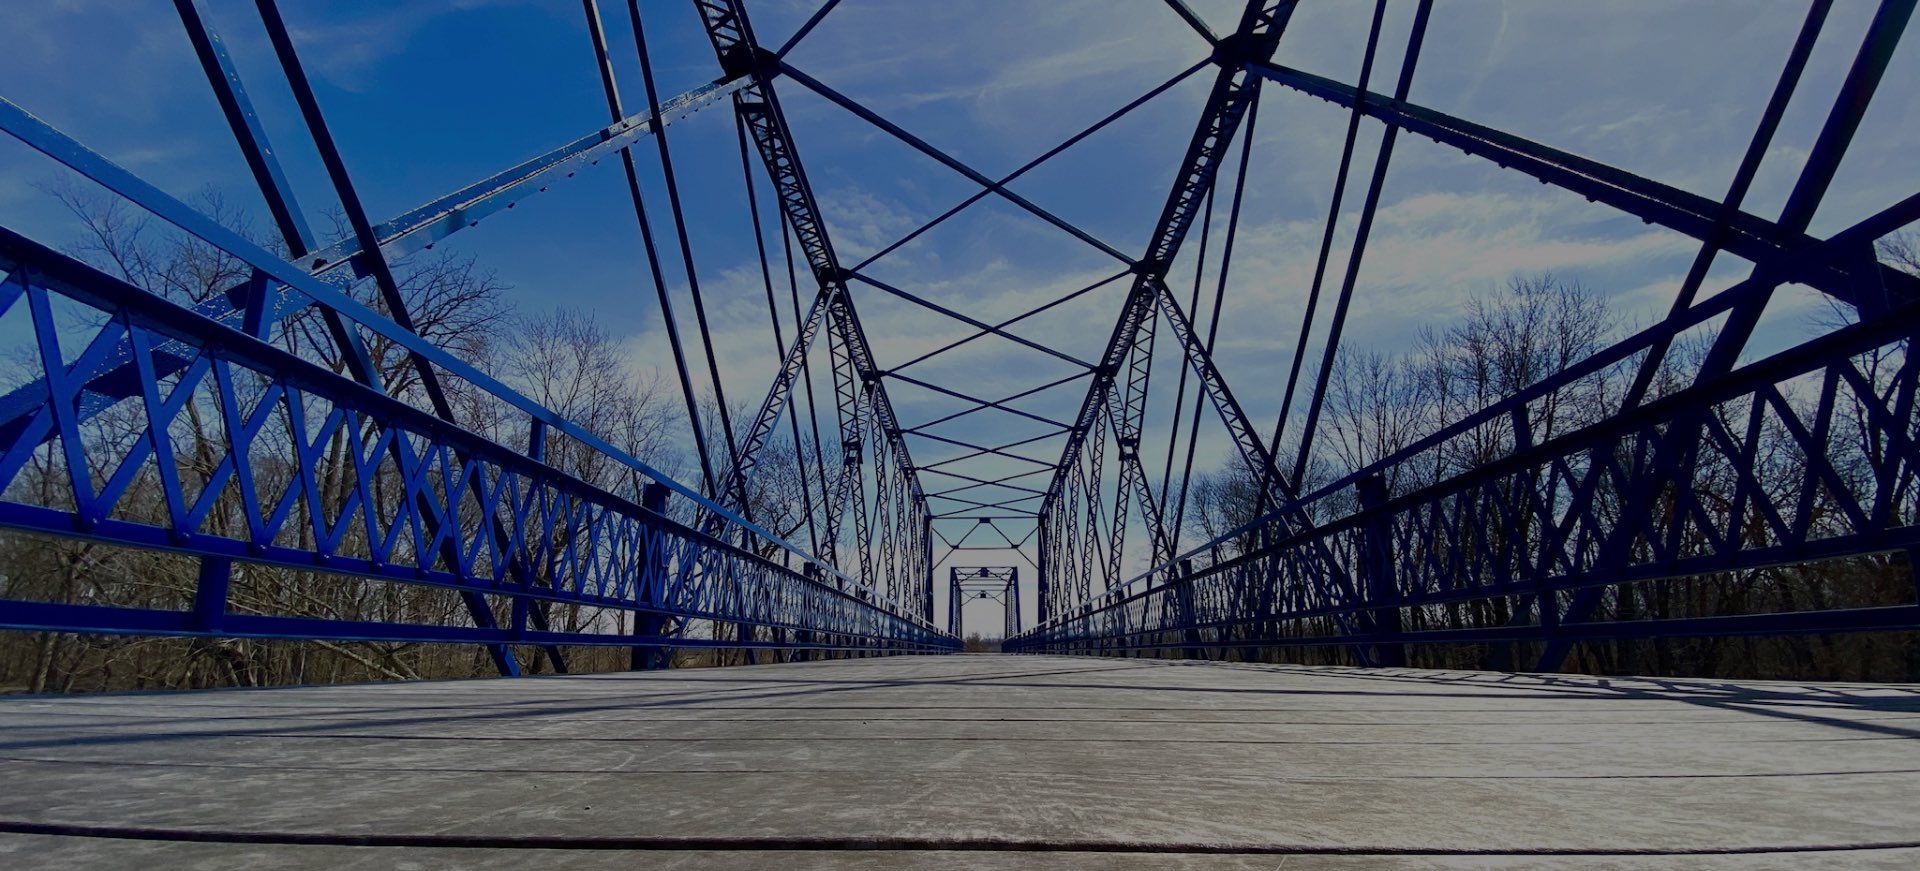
<point x="997" y="584"/>
<point x="1553" y="529"/>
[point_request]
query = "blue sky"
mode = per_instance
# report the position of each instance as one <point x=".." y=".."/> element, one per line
<point x="428" y="96"/>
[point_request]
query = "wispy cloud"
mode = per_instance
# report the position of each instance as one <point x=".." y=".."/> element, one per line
<point x="347" y="49"/>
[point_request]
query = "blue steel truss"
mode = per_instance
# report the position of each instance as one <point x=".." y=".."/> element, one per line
<point x="1549" y="533"/>
<point x="428" y="501"/>
<point x="999" y="584"/>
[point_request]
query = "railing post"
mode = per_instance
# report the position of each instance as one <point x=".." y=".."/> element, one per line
<point x="1255" y="630"/>
<point x="805" y="636"/>
<point x="210" y="596"/>
<point x="1189" y="633"/>
<point x="522" y="604"/>
<point x="1382" y="592"/>
<point x="1040" y="577"/>
<point x="926" y="559"/>
<point x="652" y="589"/>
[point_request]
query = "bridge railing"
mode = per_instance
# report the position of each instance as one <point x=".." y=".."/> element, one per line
<point x="143" y="423"/>
<point x="1803" y="456"/>
<point x="426" y="502"/>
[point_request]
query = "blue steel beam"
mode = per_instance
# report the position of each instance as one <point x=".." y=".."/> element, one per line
<point x="109" y="375"/>
<point x="791" y="410"/>
<point x="1045" y="156"/>
<point x="672" y="180"/>
<point x="424" y="226"/>
<point x="924" y="147"/>
<point x="1843" y="120"/>
<point x="812" y="22"/>
<point x="1253" y="452"/>
<point x="396" y="304"/>
<point x="1000" y="451"/>
<point x="1012" y="444"/>
<point x="1004" y="504"/>
<point x="1743" y="176"/>
<point x="1553" y="553"/>
<point x="971" y="321"/>
<point x="1901" y="214"/>
<point x="411" y="531"/>
<point x="248" y="133"/>
<point x="858" y="390"/>
<point x="51" y="142"/>
<point x="1363" y="230"/>
<point x="1200" y="27"/>
<point x="978" y="403"/>
<point x="895" y="373"/>
<point x="845" y="636"/>
<point x="1748" y="236"/>
<point x="1050" y="304"/>
<point x="1259" y="34"/>
<point x="1328" y="230"/>
<point x="1255" y="38"/>
<point x="1831" y="354"/>
<point x="996" y="482"/>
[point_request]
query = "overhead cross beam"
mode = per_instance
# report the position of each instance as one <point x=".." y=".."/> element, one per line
<point x="949" y="161"/>
<point x="982" y="406"/>
<point x="978" y="403"/>
<point x="974" y="322"/>
<point x="1261" y="25"/>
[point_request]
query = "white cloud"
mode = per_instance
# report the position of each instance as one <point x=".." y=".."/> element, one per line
<point x="347" y="49"/>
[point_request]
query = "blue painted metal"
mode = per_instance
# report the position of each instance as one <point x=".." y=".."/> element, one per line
<point x="155" y="360"/>
<point x="1532" y="524"/>
<point x="1075" y="533"/>
<point x="1748" y="236"/>
<point x="587" y="546"/>
<point x="247" y="130"/>
<point x="108" y="374"/>
<point x="1549" y="532"/>
<point x="924" y="147"/>
<point x="1552" y="527"/>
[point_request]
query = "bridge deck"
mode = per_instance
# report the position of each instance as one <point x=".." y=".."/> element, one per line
<point x="874" y="763"/>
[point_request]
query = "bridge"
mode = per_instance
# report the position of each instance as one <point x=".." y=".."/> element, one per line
<point x="1557" y="581"/>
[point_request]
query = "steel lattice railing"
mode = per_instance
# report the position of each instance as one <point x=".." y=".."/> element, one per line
<point x="1549" y="525"/>
<point x="429" y="503"/>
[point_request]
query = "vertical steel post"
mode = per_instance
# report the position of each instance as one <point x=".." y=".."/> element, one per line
<point x="210" y="595"/>
<point x="651" y="588"/>
<point x="1190" y="635"/>
<point x="926" y="560"/>
<point x="1383" y="593"/>
<point x="1013" y="604"/>
<point x="1041" y="578"/>
<point x="537" y="451"/>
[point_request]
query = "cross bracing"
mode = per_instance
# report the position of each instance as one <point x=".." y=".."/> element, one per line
<point x="1082" y="432"/>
